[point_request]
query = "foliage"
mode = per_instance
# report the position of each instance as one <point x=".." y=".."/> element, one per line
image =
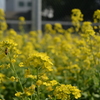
<point x="57" y="65"/>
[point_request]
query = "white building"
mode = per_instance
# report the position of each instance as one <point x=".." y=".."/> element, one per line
<point x="2" y="4"/>
<point x="18" y="5"/>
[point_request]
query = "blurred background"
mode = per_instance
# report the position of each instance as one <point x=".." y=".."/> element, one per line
<point x="37" y="13"/>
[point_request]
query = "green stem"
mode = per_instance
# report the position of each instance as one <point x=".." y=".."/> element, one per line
<point x="14" y="82"/>
<point x="17" y="76"/>
<point x="38" y="96"/>
<point x="65" y="76"/>
<point x="55" y="98"/>
<point x="31" y="95"/>
<point x="13" y="68"/>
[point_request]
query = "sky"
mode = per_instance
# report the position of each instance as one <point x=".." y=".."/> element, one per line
<point x="2" y="4"/>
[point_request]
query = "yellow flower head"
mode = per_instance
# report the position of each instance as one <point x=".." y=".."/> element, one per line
<point x="22" y="18"/>
<point x="86" y="26"/>
<point x="64" y="91"/>
<point x="76" y="15"/>
<point x="53" y="82"/>
<point x="2" y="77"/>
<point x="12" y="78"/>
<point x="2" y="12"/>
<point x="96" y="15"/>
<point x="18" y="94"/>
<point x="21" y="64"/>
<point x="39" y="82"/>
<point x="48" y="27"/>
<point x="40" y="59"/>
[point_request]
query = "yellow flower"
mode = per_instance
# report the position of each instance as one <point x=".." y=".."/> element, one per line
<point x="3" y="26"/>
<point x="57" y="25"/>
<point x="46" y="84"/>
<point x="18" y="94"/>
<point x="30" y="90"/>
<point x="2" y="77"/>
<point x="31" y="76"/>
<point x="12" y="32"/>
<point x="96" y="14"/>
<point x="21" y="18"/>
<point x="13" y="60"/>
<point x="32" y="87"/>
<point x="48" y="28"/>
<point x="28" y="93"/>
<point x="86" y="26"/>
<point x="12" y="78"/>
<point x="8" y="44"/>
<point x="58" y="28"/>
<point x="44" y="77"/>
<point x="50" y="96"/>
<point x="76" y="92"/>
<point x="64" y="92"/>
<point x="40" y="59"/>
<point x="21" y="64"/>
<point x="90" y="32"/>
<point x="47" y="67"/>
<point x="15" y="56"/>
<point x="39" y="82"/>
<point x="2" y="56"/>
<point x="49" y="88"/>
<point x="2" y="12"/>
<point x="53" y="82"/>
<point x="33" y="34"/>
<point x="27" y="72"/>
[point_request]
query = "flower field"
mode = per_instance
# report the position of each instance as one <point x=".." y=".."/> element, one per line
<point x="56" y="64"/>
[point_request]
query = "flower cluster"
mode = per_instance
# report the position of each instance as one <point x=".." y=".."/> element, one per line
<point x="21" y="24"/>
<point x="76" y="18"/>
<point x="51" y="66"/>
<point x="96" y="18"/>
<point x="3" y="24"/>
<point x="63" y="92"/>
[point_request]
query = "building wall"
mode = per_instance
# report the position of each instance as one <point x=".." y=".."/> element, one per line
<point x="10" y="5"/>
<point x="22" y="5"/>
<point x="18" y="5"/>
<point x="2" y="4"/>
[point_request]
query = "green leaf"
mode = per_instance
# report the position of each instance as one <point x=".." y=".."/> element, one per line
<point x="96" y="95"/>
<point x="92" y="98"/>
<point x="95" y="81"/>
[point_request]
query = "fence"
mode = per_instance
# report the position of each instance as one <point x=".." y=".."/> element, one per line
<point x="66" y="24"/>
<point x="14" y="24"/>
<point x="56" y="11"/>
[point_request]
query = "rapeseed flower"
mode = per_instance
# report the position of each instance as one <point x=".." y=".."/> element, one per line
<point x="30" y="90"/>
<point x="40" y="60"/>
<point x="21" y="18"/>
<point x="44" y="77"/>
<point x="21" y="64"/>
<point x="86" y="26"/>
<point x="12" y="78"/>
<point x="18" y="94"/>
<point x="64" y="92"/>
<point x="2" y="78"/>
<point x="53" y="82"/>
<point x="39" y="82"/>
<point x="76" y="18"/>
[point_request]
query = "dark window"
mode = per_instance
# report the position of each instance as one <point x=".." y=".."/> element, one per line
<point x="29" y="4"/>
<point x="21" y="4"/>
